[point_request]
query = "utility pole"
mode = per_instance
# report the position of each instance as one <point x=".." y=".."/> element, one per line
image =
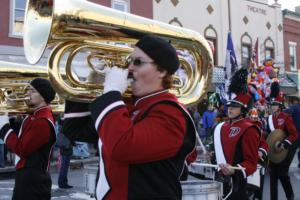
<point x="229" y="15"/>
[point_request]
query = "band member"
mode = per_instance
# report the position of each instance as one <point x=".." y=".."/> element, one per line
<point x="236" y="140"/>
<point x="283" y="121"/>
<point x="34" y="143"/>
<point x="143" y="145"/>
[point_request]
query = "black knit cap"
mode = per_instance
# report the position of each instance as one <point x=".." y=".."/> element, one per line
<point x="161" y="51"/>
<point x="44" y="87"/>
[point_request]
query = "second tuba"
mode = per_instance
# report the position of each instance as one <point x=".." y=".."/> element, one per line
<point x="81" y="30"/>
<point x="14" y="80"/>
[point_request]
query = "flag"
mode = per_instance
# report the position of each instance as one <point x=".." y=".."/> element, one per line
<point x="255" y="54"/>
<point x="230" y="61"/>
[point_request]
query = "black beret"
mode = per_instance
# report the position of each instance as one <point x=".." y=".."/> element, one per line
<point x="44" y="87"/>
<point x="161" y="51"/>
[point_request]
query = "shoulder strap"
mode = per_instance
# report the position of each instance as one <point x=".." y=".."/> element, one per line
<point x="183" y="110"/>
<point x="220" y="157"/>
<point x="270" y="123"/>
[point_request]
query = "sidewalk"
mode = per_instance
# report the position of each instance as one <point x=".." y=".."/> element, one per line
<point x="75" y="163"/>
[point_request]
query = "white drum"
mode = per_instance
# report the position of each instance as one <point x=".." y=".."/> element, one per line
<point x="254" y="179"/>
<point x="90" y="175"/>
<point x="201" y="190"/>
<point x="207" y="172"/>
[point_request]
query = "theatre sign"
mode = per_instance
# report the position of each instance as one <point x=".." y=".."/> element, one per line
<point x="256" y="10"/>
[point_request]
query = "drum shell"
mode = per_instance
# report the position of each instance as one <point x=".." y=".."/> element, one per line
<point x="201" y="189"/>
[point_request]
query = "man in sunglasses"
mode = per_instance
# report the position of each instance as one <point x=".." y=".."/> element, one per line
<point x="142" y="145"/>
<point x="33" y="144"/>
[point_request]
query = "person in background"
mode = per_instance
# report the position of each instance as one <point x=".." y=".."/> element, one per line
<point x="142" y="144"/>
<point x="66" y="152"/>
<point x="283" y="121"/>
<point x="294" y="111"/>
<point x="33" y="144"/>
<point x="208" y="120"/>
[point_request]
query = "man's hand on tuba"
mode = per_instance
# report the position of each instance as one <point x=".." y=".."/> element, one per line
<point x="115" y="80"/>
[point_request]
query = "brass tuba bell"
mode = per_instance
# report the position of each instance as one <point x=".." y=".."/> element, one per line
<point x="81" y="30"/>
<point x="14" y="80"/>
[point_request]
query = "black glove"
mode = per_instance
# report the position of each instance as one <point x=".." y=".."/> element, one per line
<point x="283" y="144"/>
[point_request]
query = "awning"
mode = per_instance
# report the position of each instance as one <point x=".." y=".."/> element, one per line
<point x="288" y="84"/>
<point x="289" y="91"/>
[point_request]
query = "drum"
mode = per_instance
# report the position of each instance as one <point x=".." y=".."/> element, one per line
<point x="201" y="189"/>
<point x="206" y="172"/>
<point x="254" y="179"/>
<point x="90" y="176"/>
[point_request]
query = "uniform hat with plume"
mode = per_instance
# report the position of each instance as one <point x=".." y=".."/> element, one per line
<point x="276" y="97"/>
<point x="238" y="90"/>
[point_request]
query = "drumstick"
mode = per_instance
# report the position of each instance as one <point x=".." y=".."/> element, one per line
<point x="216" y="166"/>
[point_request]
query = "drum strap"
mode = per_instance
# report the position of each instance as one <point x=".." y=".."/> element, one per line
<point x="270" y="122"/>
<point x="218" y="145"/>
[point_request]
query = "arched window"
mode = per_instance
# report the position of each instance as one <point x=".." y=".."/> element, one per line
<point x="210" y="34"/>
<point x="269" y="48"/>
<point x="246" y="46"/>
<point x="175" y="22"/>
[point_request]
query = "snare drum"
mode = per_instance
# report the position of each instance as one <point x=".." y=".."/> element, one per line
<point x="201" y="189"/>
<point x="254" y="179"/>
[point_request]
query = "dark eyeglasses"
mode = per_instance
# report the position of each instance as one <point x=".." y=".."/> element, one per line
<point x="137" y="61"/>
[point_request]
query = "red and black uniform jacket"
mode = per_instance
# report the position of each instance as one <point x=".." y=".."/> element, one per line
<point x="35" y="140"/>
<point x="142" y="148"/>
<point x="240" y="142"/>
<point x="284" y="122"/>
<point x="263" y="145"/>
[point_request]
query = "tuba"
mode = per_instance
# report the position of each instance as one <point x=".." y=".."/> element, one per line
<point x="14" y="80"/>
<point x="78" y="30"/>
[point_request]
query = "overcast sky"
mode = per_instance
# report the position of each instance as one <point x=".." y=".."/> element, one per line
<point x="287" y="4"/>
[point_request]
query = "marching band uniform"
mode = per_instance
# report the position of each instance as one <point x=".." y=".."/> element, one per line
<point x="33" y="146"/>
<point x="236" y="143"/>
<point x="140" y="165"/>
<point x="240" y="144"/>
<point x="282" y="121"/>
<point x="144" y="160"/>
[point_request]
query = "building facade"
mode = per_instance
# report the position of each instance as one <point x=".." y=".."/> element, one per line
<point x="246" y="19"/>
<point x="12" y="17"/>
<point x="291" y="37"/>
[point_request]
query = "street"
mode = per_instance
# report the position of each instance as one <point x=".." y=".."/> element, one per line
<point x="76" y="179"/>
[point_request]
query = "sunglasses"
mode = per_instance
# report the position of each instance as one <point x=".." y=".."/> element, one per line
<point x="137" y="61"/>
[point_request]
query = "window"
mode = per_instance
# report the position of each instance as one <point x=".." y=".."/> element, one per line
<point x="211" y="36"/>
<point x="246" y="49"/>
<point x="121" y="5"/>
<point x="246" y="55"/>
<point x="269" y="48"/>
<point x="293" y="57"/>
<point x="269" y="52"/>
<point x="17" y="13"/>
<point x="213" y="42"/>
